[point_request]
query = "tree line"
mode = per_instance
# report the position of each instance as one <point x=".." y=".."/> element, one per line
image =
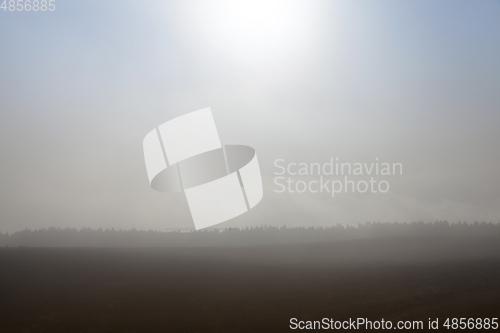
<point x="249" y="236"/>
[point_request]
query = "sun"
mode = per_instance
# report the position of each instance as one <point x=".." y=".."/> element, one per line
<point x="255" y="31"/>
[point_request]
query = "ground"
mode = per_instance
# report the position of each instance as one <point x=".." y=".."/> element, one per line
<point x="253" y="289"/>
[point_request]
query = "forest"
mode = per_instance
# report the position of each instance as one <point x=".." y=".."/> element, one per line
<point x="249" y="236"/>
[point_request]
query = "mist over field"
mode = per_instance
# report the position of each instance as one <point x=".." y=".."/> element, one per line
<point x="414" y="83"/>
<point x="373" y="126"/>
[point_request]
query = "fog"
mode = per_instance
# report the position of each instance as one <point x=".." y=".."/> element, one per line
<point x="303" y="81"/>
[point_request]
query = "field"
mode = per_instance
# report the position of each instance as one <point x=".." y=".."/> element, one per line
<point x="247" y="289"/>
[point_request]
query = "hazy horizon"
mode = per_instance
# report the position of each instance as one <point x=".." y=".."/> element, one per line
<point x="414" y="83"/>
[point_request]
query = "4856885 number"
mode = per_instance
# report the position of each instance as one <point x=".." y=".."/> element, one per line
<point x="28" y="5"/>
<point x="471" y="323"/>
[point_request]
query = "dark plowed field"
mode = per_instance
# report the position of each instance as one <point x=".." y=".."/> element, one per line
<point x="255" y="289"/>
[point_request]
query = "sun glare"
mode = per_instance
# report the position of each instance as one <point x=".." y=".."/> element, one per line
<point x="253" y="30"/>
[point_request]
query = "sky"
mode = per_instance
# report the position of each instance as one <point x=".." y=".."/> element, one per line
<point x="414" y="83"/>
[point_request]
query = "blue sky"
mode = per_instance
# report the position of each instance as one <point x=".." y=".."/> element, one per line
<point x="411" y="82"/>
